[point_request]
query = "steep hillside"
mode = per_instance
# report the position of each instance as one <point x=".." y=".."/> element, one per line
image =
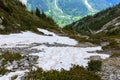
<point x="15" y="18"/>
<point x="100" y="22"/>
<point x="101" y="28"/>
<point x="66" y="11"/>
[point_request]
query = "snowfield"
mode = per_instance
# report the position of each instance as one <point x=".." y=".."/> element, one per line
<point x="28" y="37"/>
<point x="62" y="57"/>
<point x="49" y="57"/>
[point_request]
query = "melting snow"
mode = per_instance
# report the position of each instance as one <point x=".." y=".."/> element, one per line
<point x="28" y="37"/>
<point x="89" y="6"/>
<point x="62" y="57"/>
<point x="24" y="1"/>
<point x="50" y="57"/>
<point x="12" y="74"/>
<point x="47" y="32"/>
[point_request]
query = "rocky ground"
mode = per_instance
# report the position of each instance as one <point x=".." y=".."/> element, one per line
<point x="111" y="69"/>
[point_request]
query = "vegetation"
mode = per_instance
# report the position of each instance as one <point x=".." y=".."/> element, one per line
<point x="96" y="22"/>
<point x="115" y="55"/>
<point x="112" y="46"/>
<point x="7" y="56"/>
<point x="63" y="13"/>
<point x="3" y="70"/>
<point x="75" y="73"/>
<point x="89" y="25"/>
<point x="94" y="65"/>
<point x="114" y="32"/>
<point x="16" y="19"/>
<point x="37" y="12"/>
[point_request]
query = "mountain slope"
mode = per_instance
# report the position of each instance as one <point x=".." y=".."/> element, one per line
<point x="15" y="18"/>
<point x="66" y="11"/>
<point x="97" y="23"/>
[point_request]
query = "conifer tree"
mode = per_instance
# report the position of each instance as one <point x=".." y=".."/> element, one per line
<point x="43" y="15"/>
<point x="37" y="12"/>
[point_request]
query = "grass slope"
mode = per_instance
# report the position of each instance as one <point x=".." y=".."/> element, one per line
<point x="16" y="18"/>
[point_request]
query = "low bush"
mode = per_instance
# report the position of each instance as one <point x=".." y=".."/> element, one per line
<point x="75" y="73"/>
<point x="115" y="55"/>
<point x="94" y="65"/>
<point x="7" y="56"/>
<point x="3" y="70"/>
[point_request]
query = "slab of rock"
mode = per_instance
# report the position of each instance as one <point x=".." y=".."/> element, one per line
<point x="95" y="58"/>
<point x="2" y="27"/>
<point x="111" y="69"/>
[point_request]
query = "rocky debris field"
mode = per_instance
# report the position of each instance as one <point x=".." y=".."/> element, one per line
<point x="111" y="69"/>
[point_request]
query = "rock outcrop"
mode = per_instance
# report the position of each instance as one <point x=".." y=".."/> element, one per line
<point x="111" y="69"/>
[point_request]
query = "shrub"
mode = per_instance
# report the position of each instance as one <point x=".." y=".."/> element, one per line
<point x="94" y="65"/>
<point x="115" y="55"/>
<point x="3" y="70"/>
<point x="75" y="73"/>
<point x="113" y="45"/>
<point x="10" y="57"/>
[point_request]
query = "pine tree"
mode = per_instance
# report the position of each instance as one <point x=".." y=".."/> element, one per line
<point x="37" y="12"/>
<point x="43" y="15"/>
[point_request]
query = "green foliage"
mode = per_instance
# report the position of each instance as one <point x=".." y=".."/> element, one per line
<point x="14" y="77"/>
<point x="112" y="46"/>
<point x="115" y="55"/>
<point x="95" y="22"/>
<point x="75" y="73"/>
<point x="7" y="56"/>
<point x="3" y="70"/>
<point x="113" y="32"/>
<point x="94" y="65"/>
<point x="37" y="12"/>
<point x="17" y="19"/>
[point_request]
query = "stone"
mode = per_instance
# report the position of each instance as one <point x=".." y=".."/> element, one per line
<point x="111" y="69"/>
<point x="95" y="58"/>
<point x="2" y="27"/>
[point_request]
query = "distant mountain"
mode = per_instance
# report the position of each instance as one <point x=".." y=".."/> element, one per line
<point x="106" y="21"/>
<point x="67" y="11"/>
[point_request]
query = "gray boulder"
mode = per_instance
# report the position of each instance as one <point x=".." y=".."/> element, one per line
<point x="95" y="58"/>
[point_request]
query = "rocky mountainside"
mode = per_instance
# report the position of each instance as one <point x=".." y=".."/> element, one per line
<point x="65" y="12"/>
<point x="104" y="21"/>
<point x="101" y="27"/>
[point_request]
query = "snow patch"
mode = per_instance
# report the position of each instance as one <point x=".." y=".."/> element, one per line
<point x="56" y="6"/>
<point x="50" y="57"/>
<point x="90" y="8"/>
<point x="12" y="74"/>
<point x="63" y="57"/>
<point x="46" y="32"/>
<point x="26" y="38"/>
<point x="24" y="1"/>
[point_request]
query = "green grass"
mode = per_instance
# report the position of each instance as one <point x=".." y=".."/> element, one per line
<point x="115" y="55"/>
<point x="18" y="19"/>
<point x="3" y="70"/>
<point x="94" y="65"/>
<point x="7" y="56"/>
<point x="75" y="73"/>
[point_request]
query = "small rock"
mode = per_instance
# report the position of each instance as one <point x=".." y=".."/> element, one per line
<point x="95" y="58"/>
<point x="2" y="27"/>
